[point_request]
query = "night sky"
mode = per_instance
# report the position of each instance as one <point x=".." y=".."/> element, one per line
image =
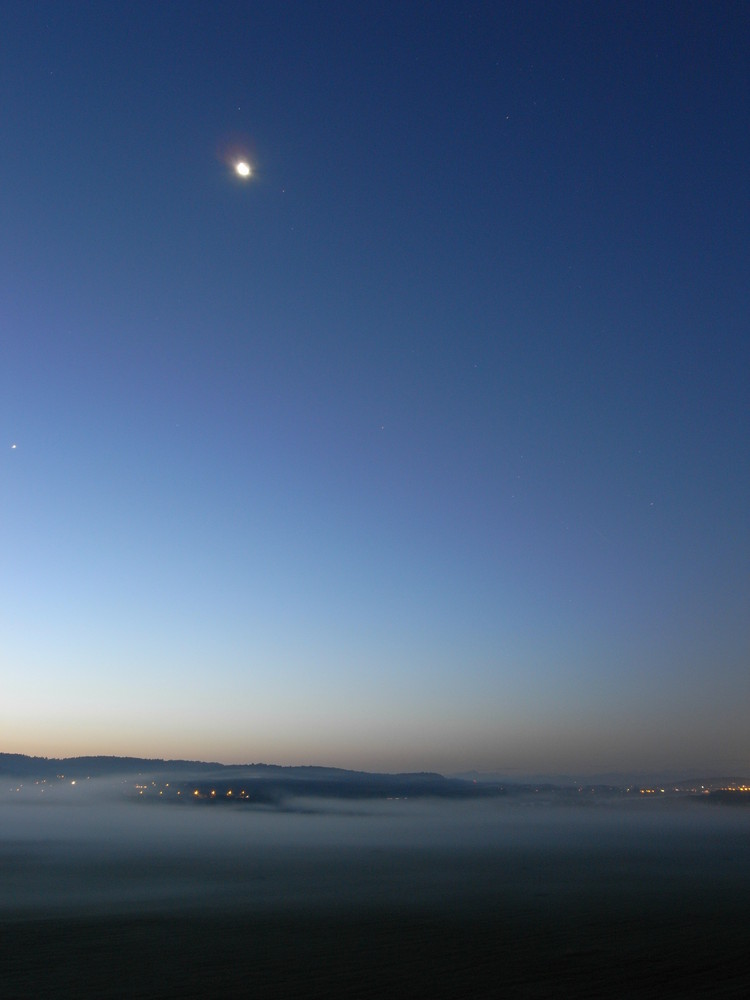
<point x="423" y="447"/>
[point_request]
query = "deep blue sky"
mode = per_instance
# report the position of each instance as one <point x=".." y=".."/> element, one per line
<point x="427" y="446"/>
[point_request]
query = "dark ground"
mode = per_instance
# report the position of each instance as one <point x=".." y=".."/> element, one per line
<point x="673" y="950"/>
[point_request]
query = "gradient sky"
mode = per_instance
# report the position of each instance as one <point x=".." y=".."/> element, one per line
<point x="427" y="446"/>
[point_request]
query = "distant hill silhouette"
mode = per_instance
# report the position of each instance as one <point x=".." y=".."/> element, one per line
<point x="21" y="766"/>
<point x="210" y="781"/>
<point x="263" y="782"/>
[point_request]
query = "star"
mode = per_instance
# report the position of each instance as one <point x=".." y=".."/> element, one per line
<point x="243" y="169"/>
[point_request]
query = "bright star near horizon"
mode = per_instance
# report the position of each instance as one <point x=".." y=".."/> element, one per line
<point x="243" y="168"/>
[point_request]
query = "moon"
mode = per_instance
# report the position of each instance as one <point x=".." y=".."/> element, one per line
<point x="242" y="169"/>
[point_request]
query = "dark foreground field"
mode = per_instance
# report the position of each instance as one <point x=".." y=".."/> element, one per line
<point x="478" y="904"/>
<point x="662" y="954"/>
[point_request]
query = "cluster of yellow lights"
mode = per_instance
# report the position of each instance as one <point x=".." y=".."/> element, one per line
<point x="212" y="794"/>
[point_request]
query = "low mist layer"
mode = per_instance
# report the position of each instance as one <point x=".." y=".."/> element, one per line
<point x="99" y="852"/>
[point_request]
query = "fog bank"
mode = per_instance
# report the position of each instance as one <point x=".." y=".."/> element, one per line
<point x="101" y="854"/>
